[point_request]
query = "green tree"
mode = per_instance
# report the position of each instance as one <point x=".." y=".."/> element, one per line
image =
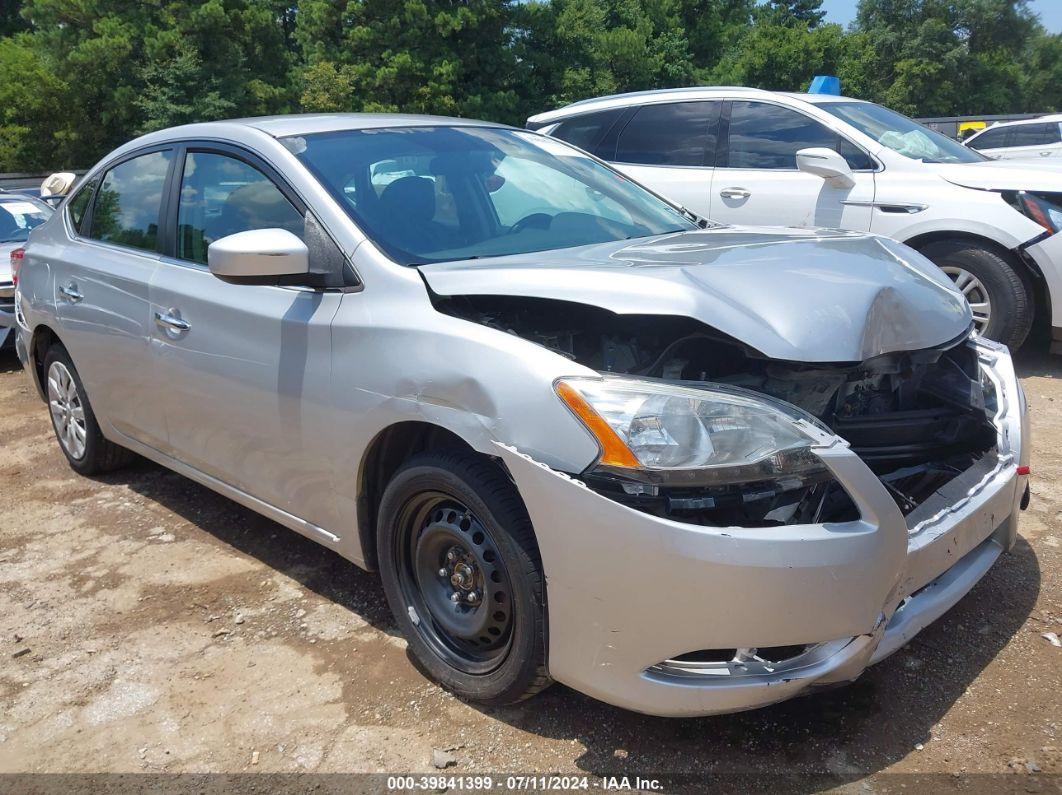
<point x="447" y="56"/>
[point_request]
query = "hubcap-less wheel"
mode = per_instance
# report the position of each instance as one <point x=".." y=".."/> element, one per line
<point x="975" y="294"/>
<point x="453" y="579"/>
<point x="68" y="415"/>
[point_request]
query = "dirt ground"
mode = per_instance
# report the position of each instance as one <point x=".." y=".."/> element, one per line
<point x="150" y="625"/>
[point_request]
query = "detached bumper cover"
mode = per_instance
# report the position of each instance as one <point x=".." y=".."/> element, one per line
<point x="627" y="591"/>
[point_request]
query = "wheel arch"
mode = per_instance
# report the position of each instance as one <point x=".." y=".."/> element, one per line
<point x="385" y="454"/>
<point x="1023" y="264"/>
<point x="44" y="337"/>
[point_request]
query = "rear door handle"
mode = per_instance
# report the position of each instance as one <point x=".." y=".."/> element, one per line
<point x="734" y="193"/>
<point x="168" y="320"/>
<point x="70" y="293"/>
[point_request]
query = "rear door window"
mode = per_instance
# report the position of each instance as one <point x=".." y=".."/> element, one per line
<point x="129" y="201"/>
<point x="669" y="134"/>
<point x="765" y="136"/>
<point x="1034" y="134"/>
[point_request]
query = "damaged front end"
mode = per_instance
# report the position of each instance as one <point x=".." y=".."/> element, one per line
<point x="917" y="419"/>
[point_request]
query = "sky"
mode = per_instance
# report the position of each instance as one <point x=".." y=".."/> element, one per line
<point x="1050" y="11"/>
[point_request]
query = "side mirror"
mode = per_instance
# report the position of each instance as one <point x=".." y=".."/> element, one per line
<point x="58" y="184"/>
<point x="826" y="163"/>
<point x="258" y="256"/>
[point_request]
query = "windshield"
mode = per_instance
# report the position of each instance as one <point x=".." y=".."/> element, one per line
<point x="434" y="194"/>
<point x="18" y="215"/>
<point x="901" y="134"/>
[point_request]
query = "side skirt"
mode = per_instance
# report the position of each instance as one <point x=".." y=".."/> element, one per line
<point x="292" y="522"/>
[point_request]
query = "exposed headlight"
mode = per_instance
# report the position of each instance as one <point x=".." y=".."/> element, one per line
<point x="1043" y="208"/>
<point x="683" y="435"/>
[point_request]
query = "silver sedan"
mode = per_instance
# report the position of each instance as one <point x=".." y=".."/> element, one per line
<point x="583" y="434"/>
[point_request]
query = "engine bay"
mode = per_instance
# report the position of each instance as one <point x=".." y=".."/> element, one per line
<point x="918" y="419"/>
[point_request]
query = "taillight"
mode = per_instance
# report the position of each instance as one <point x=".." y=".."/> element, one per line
<point x="16" y="262"/>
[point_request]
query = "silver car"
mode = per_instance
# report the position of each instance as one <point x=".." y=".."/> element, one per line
<point x="19" y="213"/>
<point x="583" y="435"/>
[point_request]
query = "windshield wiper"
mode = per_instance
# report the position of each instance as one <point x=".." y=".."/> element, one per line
<point x="701" y="222"/>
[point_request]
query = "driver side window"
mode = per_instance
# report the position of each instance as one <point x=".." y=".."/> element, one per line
<point x="221" y="196"/>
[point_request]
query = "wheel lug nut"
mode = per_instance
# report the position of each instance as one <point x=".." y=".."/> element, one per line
<point x="450" y="555"/>
<point x="472" y="598"/>
<point x="455" y="597"/>
<point x="442" y="572"/>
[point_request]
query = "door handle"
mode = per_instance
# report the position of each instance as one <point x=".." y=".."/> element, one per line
<point x="170" y="321"/>
<point x="734" y="193"/>
<point x="1045" y="154"/>
<point x="70" y="293"/>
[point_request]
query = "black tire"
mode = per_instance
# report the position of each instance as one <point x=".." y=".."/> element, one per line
<point x="100" y="454"/>
<point x="1008" y="290"/>
<point x="420" y="517"/>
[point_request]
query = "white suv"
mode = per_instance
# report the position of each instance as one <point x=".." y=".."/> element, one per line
<point x="746" y="156"/>
<point x="1029" y="139"/>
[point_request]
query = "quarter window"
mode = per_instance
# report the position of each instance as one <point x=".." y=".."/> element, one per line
<point x="128" y="202"/>
<point x="79" y="204"/>
<point x="221" y="196"/>
<point x="991" y="139"/>
<point x="586" y="131"/>
<point x="767" y="136"/>
<point x="671" y="134"/>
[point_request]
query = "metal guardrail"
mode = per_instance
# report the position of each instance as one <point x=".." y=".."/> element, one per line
<point x="24" y="179"/>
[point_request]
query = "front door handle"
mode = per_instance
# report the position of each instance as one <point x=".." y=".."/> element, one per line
<point x="1045" y="154"/>
<point x="70" y="294"/>
<point x="734" y="193"/>
<point x="171" y="321"/>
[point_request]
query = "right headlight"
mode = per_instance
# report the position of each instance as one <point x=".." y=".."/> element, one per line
<point x="1043" y="208"/>
<point x="668" y="433"/>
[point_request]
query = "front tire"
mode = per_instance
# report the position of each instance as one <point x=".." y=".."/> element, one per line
<point x="463" y="578"/>
<point x="999" y="295"/>
<point x="74" y="422"/>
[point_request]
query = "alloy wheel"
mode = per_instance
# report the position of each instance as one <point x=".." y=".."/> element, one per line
<point x="974" y="292"/>
<point x="68" y="414"/>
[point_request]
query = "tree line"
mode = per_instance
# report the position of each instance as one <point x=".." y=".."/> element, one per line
<point x="79" y="77"/>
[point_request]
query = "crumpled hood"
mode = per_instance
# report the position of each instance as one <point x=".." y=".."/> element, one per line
<point x="795" y="295"/>
<point x="1040" y="175"/>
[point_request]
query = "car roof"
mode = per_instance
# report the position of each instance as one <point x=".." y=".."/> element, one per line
<point x="689" y="93"/>
<point x="1057" y="117"/>
<point x="309" y="123"/>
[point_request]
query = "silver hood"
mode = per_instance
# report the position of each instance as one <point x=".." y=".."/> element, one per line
<point x="795" y="295"/>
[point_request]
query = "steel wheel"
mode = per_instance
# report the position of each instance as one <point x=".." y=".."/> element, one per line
<point x="453" y="579"/>
<point x="974" y="292"/>
<point x="68" y="414"/>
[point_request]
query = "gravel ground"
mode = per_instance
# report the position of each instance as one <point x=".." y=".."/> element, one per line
<point x="150" y="625"/>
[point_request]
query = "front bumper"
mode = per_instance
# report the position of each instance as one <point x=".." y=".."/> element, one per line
<point x="627" y="591"/>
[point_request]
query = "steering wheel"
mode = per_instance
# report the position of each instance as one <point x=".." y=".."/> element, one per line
<point x="535" y="220"/>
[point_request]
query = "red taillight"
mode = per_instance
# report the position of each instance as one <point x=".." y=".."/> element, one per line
<point x="16" y="262"/>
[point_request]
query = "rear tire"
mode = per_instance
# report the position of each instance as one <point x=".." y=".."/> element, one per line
<point x="463" y="578"/>
<point x="73" y="420"/>
<point x="1009" y="296"/>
